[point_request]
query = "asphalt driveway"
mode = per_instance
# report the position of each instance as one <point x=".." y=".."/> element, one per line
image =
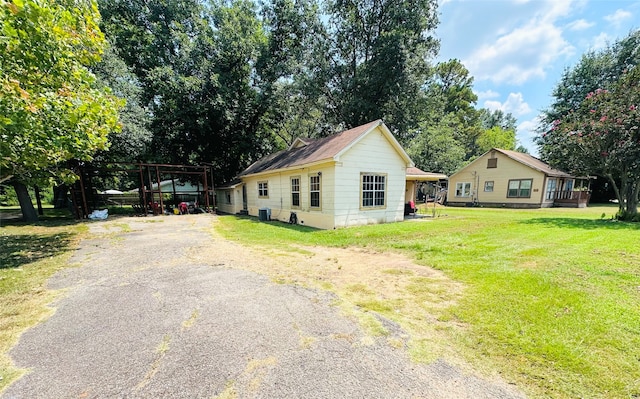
<point x="141" y="318"/>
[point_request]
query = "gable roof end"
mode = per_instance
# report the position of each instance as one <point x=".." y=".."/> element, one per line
<point x="309" y="151"/>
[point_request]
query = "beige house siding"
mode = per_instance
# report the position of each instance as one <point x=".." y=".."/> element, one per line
<point x="477" y="174"/>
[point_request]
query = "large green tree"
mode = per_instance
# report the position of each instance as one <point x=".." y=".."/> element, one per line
<point x="602" y="136"/>
<point x="51" y="107"/>
<point x="446" y="137"/>
<point x="292" y="87"/>
<point x="598" y="69"/>
<point x="591" y="126"/>
<point x="377" y="61"/>
<point x="210" y="73"/>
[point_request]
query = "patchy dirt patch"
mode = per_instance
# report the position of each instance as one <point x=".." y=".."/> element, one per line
<point x="389" y="294"/>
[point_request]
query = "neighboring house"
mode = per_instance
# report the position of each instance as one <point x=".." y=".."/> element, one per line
<point x="355" y="177"/>
<point x="169" y="186"/>
<point x="513" y="179"/>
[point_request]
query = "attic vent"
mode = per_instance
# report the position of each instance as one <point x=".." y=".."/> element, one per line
<point x="492" y="163"/>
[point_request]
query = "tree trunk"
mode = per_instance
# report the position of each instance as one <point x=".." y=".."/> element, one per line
<point x="60" y="196"/>
<point x="26" y="206"/>
<point x="620" y="194"/>
<point x="36" y="190"/>
<point x="632" y="200"/>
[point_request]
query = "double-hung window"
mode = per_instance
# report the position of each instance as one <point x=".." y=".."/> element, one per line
<point x="374" y="188"/>
<point x="519" y="188"/>
<point x="314" y="191"/>
<point x="295" y="192"/>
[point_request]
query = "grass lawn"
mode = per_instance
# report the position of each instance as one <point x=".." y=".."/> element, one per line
<point x="551" y="297"/>
<point x="29" y="255"/>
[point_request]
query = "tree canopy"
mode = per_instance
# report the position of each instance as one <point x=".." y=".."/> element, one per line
<point x="51" y="107"/>
<point x="596" y="131"/>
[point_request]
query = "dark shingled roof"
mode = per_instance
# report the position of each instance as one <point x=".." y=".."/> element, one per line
<point x="533" y="162"/>
<point x="316" y="150"/>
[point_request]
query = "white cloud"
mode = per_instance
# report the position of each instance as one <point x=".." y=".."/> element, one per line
<point x="618" y="17"/>
<point x="487" y="94"/>
<point x="526" y="132"/>
<point x="527" y="51"/>
<point x="514" y="105"/>
<point x="580" y="24"/>
<point x="601" y="41"/>
<point x="519" y="55"/>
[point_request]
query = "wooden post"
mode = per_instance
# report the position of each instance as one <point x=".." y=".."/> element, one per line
<point x="159" y="190"/>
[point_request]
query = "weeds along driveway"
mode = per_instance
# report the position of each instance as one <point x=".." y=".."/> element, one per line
<point x="145" y="317"/>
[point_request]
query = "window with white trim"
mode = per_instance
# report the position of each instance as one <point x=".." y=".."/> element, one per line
<point x="263" y="189"/>
<point x="519" y="188"/>
<point x="488" y="186"/>
<point x="463" y="189"/>
<point x="314" y="191"/>
<point x="374" y="188"/>
<point x="295" y="192"/>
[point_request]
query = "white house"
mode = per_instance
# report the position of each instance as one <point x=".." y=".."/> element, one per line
<point x="352" y="178"/>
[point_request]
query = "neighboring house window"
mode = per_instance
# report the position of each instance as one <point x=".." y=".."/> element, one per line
<point x="314" y="191"/>
<point x="295" y="191"/>
<point x="463" y="189"/>
<point x="373" y="190"/>
<point x="263" y="189"/>
<point x="492" y="163"/>
<point x="228" y="197"/>
<point x="519" y="188"/>
<point x="488" y="186"/>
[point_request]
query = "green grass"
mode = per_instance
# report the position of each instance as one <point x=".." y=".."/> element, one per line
<point x="551" y="298"/>
<point x="29" y="255"/>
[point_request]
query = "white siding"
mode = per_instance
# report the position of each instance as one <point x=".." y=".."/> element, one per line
<point x="372" y="154"/>
<point x="341" y="187"/>
<point x="279" y="200"/>
<point x="222" y="203"/>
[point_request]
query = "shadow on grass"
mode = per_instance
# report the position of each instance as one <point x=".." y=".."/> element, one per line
<point x="51" y="218"/>
<point x="276" y="223"/>
<point x="605" y="224"/>
<point x="20" y="249"/>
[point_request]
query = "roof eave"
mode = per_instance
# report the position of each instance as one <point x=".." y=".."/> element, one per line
<point x="289" y="168"/>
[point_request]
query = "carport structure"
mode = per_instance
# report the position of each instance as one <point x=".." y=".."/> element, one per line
<point x="150" y="196"/>
<point x="424" y="186"/>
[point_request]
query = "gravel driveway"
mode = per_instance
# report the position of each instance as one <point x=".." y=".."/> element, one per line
<point x="142" y="318"/>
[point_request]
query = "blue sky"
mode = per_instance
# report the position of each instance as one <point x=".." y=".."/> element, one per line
<point x="516" y="50"/>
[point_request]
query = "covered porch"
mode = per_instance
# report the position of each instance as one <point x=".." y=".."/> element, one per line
<point x="422" y="187"/>
<point x="569" y="193"/>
